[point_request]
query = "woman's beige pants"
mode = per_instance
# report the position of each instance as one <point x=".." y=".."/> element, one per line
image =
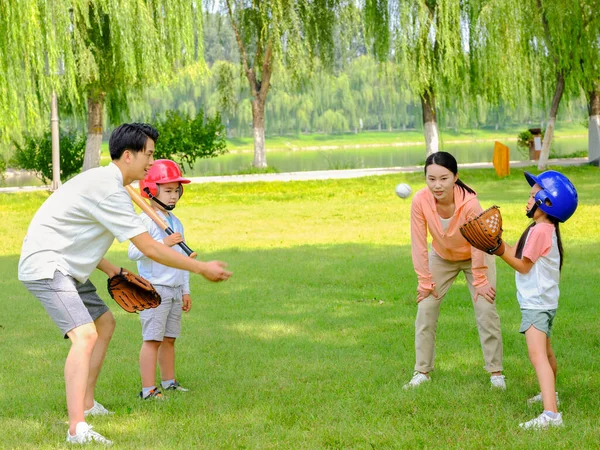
<point x="488" y="322"/>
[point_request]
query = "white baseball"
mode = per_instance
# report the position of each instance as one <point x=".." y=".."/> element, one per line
<point x="403" y="190"/>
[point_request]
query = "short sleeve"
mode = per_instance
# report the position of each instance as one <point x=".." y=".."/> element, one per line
<point x="116" y="213"/>
<point x="539" y="241"/>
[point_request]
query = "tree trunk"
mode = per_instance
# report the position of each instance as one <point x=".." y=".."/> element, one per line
<point x="94" y="136"/>
<point x="430" y="126"/>
<point x="545" y="153"/>
<point x="258" y="127"/>
<point x="594" y="126"/>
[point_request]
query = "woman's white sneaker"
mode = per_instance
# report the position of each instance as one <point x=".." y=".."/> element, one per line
<point x="417" y="379"/>
<point x="97" y="410"/>
<point x="498" y="381"/>
<point x="84" y="435"/>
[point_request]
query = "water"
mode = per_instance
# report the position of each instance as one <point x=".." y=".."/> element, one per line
<point x="373" y="157"/>
<point x="356" y="158"/>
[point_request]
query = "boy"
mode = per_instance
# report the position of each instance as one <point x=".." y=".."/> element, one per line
<point x="161" y="326"/>
<point x="67" y="239"/>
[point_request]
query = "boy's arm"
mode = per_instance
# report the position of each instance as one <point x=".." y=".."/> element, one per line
<point x="522" y="266"/>
<point x="156" y="251"/>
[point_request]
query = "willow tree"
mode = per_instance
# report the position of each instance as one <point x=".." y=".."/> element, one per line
<point x="105" y="50"/>
<point x="279" y="32"/>
<point x="450" y="49"/>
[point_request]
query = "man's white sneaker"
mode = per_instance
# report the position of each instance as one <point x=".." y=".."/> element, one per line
<point x="538" y="399"/>
<point x="542" y="422"/>
<point x="498" y="381"/>
<point x="84" y="434"/>
<point x="97" y="410"/>
<point x="417" y="379"/>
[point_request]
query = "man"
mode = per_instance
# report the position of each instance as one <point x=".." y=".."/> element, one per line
<point x="68" y="238"/>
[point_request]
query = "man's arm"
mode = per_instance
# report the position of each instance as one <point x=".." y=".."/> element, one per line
<point x="212" y="270"/>
<point x="108" y="268"/>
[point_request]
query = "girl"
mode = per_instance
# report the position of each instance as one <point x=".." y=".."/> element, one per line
<point x="441" y="208"/>
<point x="538" y="258"/>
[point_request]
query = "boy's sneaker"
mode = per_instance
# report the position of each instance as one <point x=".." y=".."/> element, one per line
<point x="154" y="394"/>
<point x="175" y="386"/>
<point x="498" y="382"/>
<point x="85" y="434"/>
<point x="417" y="379"/>
<point x="542" y="422"/>
<point x="538" y="399"/>
<point x="97" y="410"/>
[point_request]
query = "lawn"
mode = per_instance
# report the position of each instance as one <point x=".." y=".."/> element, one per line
<point x="308" y="345"/>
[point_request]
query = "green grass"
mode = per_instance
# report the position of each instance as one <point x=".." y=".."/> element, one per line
<point x="307" y="346"/>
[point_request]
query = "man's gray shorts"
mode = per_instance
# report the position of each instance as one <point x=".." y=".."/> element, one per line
<point x="164" y="320"/>
<point x="541" y="319"/>
<point x="68" y="302"/>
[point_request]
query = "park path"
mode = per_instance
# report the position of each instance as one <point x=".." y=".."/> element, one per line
<point x="330" y="174"/>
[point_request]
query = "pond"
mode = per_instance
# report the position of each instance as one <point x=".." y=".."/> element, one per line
<point x="347" y="158"/>
<point x="371" y="157"/>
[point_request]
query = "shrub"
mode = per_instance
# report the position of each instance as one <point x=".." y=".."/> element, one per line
<point x="36" y="155"/>
<point x="185" y="140"/>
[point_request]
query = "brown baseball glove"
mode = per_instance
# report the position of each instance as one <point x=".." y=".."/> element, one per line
<point x="485" y="231"/>
<point x="132" y="292"/>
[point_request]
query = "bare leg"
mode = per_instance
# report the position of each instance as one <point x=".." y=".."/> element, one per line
<point x="148" y="355"/>
<point x="537" y="347"/>
<point x="105" y="326"/>
<point x="166" y="359"/>
<point x="77" y="370"/>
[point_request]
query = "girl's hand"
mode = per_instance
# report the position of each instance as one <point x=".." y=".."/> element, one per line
<point x="422" y="294"/>
<point x="187" y="303"/>
<point x="486" y="291"/>
<point x="173" y="239"/>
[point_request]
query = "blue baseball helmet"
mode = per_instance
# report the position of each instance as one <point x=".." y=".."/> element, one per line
<point x="558" y="191"/>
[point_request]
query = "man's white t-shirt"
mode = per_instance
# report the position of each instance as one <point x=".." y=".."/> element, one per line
<point x="76" y="225"/>
<point x="538" y="289"/>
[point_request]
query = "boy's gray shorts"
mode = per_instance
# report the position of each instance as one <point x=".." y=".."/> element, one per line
<point x="541" y="319"/>
<point x="68" y="302"/>
<point x="164" y="320"/>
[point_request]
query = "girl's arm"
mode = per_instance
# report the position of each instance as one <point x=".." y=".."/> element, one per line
<point x="522" y="266"/>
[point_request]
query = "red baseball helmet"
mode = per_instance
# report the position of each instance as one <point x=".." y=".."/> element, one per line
<point x="163" y="171"/>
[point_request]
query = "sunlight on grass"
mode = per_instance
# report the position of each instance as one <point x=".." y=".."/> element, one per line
<point x="266" y="331"/>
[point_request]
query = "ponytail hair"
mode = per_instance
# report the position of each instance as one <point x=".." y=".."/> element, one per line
<point x="448" y="161"/>
<point x="523" y="239"/>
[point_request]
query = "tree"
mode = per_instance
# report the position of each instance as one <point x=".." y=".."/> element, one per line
<point x="109" y="49"/>
<point x="291" y="34"/>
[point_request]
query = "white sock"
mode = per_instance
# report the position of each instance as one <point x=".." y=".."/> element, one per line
<point x="81" y="427"/>
<point x="167" y="383"/>
<point x="551" y="414"/>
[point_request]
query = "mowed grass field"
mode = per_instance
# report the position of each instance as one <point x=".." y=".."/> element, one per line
<point x="308" y="345"/>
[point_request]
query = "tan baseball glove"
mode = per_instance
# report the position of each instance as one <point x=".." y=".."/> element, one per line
<point x="484" y="232"/>
<point x="132" y="292"/>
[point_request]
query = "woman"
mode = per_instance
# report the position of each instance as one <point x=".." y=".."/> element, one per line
<point x="442" y="207"/>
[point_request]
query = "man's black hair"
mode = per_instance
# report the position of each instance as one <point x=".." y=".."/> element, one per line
<point x="130" y="136"/>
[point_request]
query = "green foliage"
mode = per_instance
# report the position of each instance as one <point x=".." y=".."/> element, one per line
<point x="36" y="154"/>
<point x="185" y="140"/>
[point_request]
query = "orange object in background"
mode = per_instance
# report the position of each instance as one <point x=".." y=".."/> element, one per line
<point x="501" y="159"/>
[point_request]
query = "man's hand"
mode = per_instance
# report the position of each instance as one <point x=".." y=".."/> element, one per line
<point x="187" y="302"/>
<point x="486" y="291"/>
<point x="173" y="239"/>
<point x="215" y="271"/>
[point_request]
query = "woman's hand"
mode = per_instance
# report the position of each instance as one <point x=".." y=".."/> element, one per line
<point x="486" y="291"/>
<point x="422" y="293"/>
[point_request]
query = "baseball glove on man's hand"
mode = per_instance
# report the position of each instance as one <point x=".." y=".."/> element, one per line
<point x="132" y="292"/>
<point x="485" y="231"/>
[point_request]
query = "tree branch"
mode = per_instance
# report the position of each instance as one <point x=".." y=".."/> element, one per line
<point x="249" y="72"/>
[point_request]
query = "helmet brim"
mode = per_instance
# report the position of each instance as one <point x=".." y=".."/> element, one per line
<point x="532" y="179"/>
